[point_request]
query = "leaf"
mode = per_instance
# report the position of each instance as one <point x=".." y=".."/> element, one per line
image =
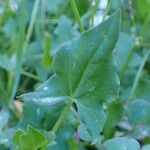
<point x="30" y="111"/>
<point x="32" y="140"/>
<point x="63" y="32"/>
<point x="17" y="136"/>
<point x="83" y="133"/>
<point x="141" y="9"/>
<point x="64" y="133"/>
<point x="142" y="110"/>
<point x="56" y="7"/>
<point x="62" y="137"/>
<point x="7" y="63"/>
<point x="49" y="93"/>
<point x="115" y="4"/>
<point x="82" y="69"/>
<point x="142" y="90"/>
<point x="5" y="137"/>
<point x="123" y="143"/>
<point x="93" y="120"/>
<point x="114" y="113"/>
<point x="4" y="117"/>
<point x="47" y="58"/>
<point x="141" y="132"/>
<point x="124" y="45"/>
<point x="146" y="147"/>
<point x="72" y="144"/>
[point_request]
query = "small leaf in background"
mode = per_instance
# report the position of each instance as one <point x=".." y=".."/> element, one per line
<point x="146" y="147"/>
<point x="47" y="43"/>
<point x="56" y="7"/>
<point x="5" y="137"/>
<point x="83" y="133"/>
<point x="114" y="113"/>
<point x="143" y="88"/>
<point x="4" y="117"/>
<point x="142" y="110"/>
<point x="124" y="45"/>
<point x="63" y="32"/>
<point x="30" y="140"/>
<point x="72" y="144"/>
<point x="7" y="63"/>
<point x="141" y="132"/>
<point x="122" y="143"/>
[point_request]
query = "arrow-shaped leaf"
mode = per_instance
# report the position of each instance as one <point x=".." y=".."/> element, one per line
<point x="84" y="73"/>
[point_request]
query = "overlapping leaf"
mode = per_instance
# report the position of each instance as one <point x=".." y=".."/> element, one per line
<point x="32" y="140"/>
<point x="122" y="143"/>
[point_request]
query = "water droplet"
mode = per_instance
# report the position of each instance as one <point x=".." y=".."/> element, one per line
<point x="91" y="89"/>
<point x="144" y="132"/>
<point x="97" y="120"/>
<point x="38" y="111"/>
<point x="93" y="3"/>
<point x="124" y="148"/>
<point x="3" y="141"/>
<point x="45" y="88"/>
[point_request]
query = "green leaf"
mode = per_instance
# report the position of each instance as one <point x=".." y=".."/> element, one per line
<point x="141" y="9"/>
<point x="32" y="140"/>
<point x="82" y="69"/>
<point x="83" y="133"/>
<point x="4" y="117"/>
<point x="141" y="132"/>
<point x="142" y="110"/>
<point x="114" y="113"/>
<point x="72" y="144"/>
<point x="7" y="63"/>
<point x="63" y="32"/>
<point x="124" y="45"/>
<point x="123" y="143"/>
<point x="17" y="136"/>
<point x="47" y="58"/>
<point x="93" y="119"/>
<point x="56" y="7"/>
<point x="5" y="137"/>
<point x="143" y="89"/>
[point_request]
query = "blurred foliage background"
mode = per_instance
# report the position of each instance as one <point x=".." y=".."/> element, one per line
<point x="31" y="32"/>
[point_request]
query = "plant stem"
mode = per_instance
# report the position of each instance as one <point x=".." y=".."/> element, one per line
<point x="20" y="39"/>
<point x="93" y="10"/>
<point x="127" y="61"/>
<point x="31" y="76"/>
<point x="135" y="47"/>
<point x="31" y="25"/>
<point x="22" y="46"/>
<point x="43" y="15"/>
<point x="62" y="116"/>
<point x="135" y="83"/>
<point x="106" y="10"/>
<point x="76" y="14"/>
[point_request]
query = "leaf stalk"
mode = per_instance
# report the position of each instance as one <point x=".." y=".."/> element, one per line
<point x="62" y="116"/>
<point x="76" y="14"/>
